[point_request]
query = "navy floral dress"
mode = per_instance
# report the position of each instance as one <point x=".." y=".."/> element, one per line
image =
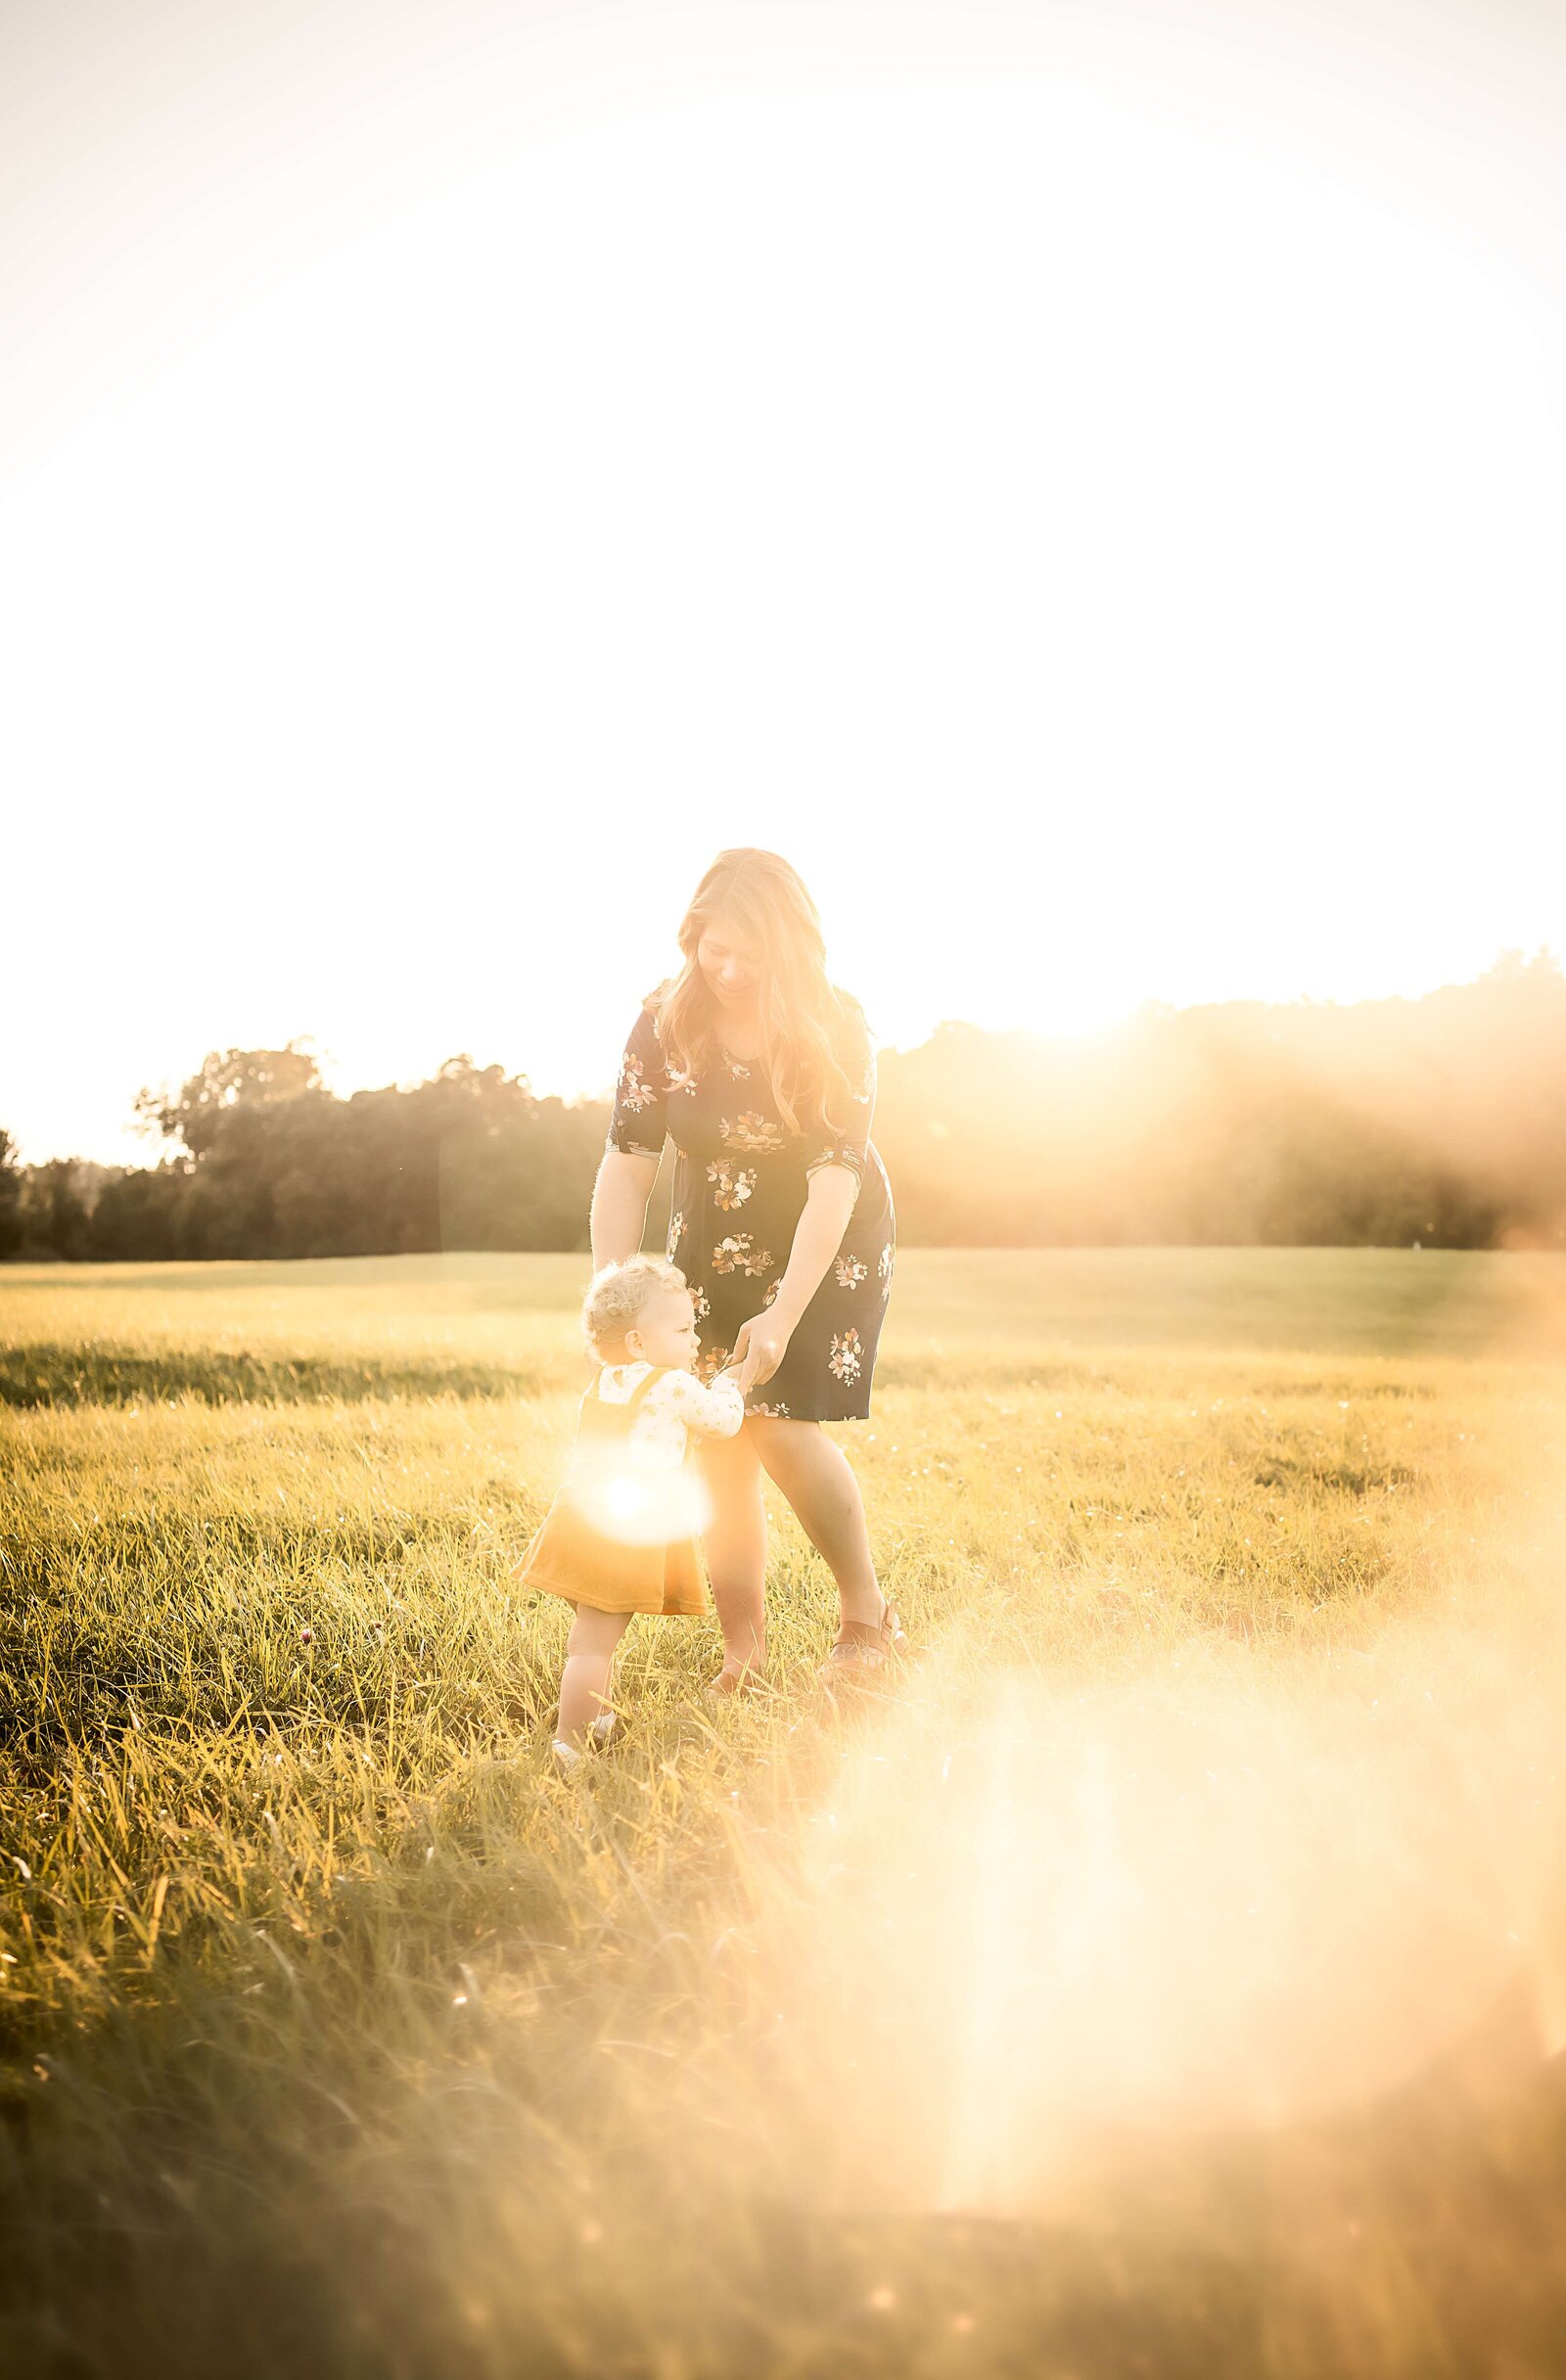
<point x="739" y="1183"/>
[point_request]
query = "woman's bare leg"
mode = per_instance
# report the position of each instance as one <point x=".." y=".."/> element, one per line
<point x="585" y="1681"/>
<point x="817" y="1478"/>
<point x="735" y="1542"/>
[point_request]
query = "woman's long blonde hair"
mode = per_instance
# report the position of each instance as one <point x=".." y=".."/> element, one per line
<point x="805" y="1020"/>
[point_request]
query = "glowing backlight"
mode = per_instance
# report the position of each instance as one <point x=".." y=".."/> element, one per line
<point x="638" y="1502"/>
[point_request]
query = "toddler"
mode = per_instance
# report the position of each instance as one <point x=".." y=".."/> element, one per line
<point x="620" y="1535"/>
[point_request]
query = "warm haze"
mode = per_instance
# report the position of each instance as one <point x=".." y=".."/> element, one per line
<point x="1100" y="521"/>
<point x="1059" y="1867"/>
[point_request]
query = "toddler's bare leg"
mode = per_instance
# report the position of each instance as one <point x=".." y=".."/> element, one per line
<point x="735" y="1542"/>
<point x="585" y="1681"/>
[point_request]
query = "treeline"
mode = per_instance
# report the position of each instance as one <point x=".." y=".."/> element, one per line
<point x="264" y="1160"/>
<point x="1439" y="1120"/>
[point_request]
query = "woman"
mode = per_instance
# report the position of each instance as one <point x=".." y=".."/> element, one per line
<point x="763" y="1075"/>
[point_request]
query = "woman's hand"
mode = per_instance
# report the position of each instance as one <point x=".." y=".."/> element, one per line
<point x="759" y="1348"/>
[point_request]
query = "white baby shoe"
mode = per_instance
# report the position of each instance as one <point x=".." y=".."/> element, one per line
<point x="569" y="1757"/>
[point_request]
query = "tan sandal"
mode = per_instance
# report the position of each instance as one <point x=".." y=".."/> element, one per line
<point x="865" y="1646"/>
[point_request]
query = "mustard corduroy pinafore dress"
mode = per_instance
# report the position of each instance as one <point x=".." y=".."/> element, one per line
<point x="568" y="1556"/>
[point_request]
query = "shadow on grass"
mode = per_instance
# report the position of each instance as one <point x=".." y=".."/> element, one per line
<point x="48" y="1373"/>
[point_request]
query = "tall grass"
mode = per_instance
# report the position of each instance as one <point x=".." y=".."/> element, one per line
<point x="1159" y="1978"/>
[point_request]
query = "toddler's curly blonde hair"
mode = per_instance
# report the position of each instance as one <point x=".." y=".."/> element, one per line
<point x="616" y="1297"/>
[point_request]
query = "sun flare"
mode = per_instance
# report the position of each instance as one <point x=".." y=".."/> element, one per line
<point x="1023" y="548"/>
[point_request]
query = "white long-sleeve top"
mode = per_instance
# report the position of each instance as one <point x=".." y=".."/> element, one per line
<point x="671" y="1408"/>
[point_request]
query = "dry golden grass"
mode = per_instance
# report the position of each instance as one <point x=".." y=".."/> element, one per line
<point x="1160" y="1978"/>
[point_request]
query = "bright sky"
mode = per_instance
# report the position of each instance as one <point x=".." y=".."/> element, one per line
<point x="1114" y="557"/>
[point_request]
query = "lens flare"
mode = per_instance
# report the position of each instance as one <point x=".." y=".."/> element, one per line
<point x="1037" y="1923"/>
<point x="635" y="1501"/>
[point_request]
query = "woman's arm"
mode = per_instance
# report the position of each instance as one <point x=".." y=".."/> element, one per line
<point x="833" y="1174"/>
<point x="829" y="1198"/>
<point x="628" y="1167"/>
<point x="763" y="1342"/>
<point x="621" y="1192"/>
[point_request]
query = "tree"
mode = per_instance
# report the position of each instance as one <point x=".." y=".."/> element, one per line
<point x="1440" y="1118"/>
<point x="9" y="1197"/>
<point x="229" y="1080"/>
<point x="57" y="1207"/>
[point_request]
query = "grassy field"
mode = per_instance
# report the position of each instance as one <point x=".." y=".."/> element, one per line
<point x="1164" y="1977"/>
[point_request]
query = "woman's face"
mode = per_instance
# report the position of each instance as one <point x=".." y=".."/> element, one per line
<point x="729" y="961"/>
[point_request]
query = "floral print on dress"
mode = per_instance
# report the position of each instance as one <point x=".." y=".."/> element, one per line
<point x="848" y="1144"/>
<point x="731" y="1184"/>
<point x="676" y="1226"/>
<point x="728" y="1139"/>
<point x="635" y="1092"/>
<point x="843" y="1360"/>
<point x="770" y="1412"/>
<point x="843" y="1153"/>
<point x="740" y="1254"/>
<point x="751" y="1132"/>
